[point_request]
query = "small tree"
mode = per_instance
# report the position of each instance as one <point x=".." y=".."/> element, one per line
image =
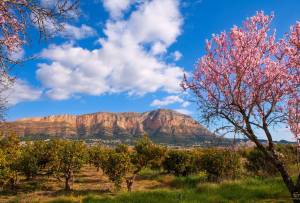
<point x="97" y="156"/>
<point x="145" y="154"/>
<point x="180" y="162"/>
<point x="69" y="160"/>
<point x="28" y="162"/>
<point x="11" y="152"/>
<point x="117" y="165"/>
<point x="4" y="170"/>
<point x="220" y="164"/>
<point x="251" y="82"/>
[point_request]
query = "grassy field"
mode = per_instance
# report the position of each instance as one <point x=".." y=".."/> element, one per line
<point x="91" y="186"/>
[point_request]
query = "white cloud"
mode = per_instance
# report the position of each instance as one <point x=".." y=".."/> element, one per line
<point x="177" y="56"/>
<point x="128" y="60"/>
<point x="172" y="99"/>
<point x="184" y="111"/>
<point x="20" y="91"/>
<point x="117" y="7"/>
<point x="185" y="104"/>
<point x="167" y="101"/>
<point x="77" y="33"/>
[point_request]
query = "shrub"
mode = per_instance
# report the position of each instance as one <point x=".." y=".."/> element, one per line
<point x="70" y="157"/>
<point x="4" y="169"/>
<point x="288" y="153"/>
<point x="97" y="156"/>
<point x="220" y="164"/>
<point x="147" y="154"/>
<point x="117" y="166"/>
<point x="28" y="162"/>
<point x="10" y="155"/>
<point x="180" y="162"/>
<point x="258" y="164"/>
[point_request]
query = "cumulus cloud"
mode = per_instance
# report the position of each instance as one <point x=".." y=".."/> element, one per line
<point x="117" y="7"/>
<point x="70" y="31"/>
<point x="77" y="33"/>
<point x="129" y="59"/>
<point x="19" y="92"/>
<point x="167" y="101"/>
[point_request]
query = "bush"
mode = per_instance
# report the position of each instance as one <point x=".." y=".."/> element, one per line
<point x="181" y="162"/>
<point x="147" y="154"/>
<point x="9" y="158"/>
<point x="257" y="164"/>
<point x="28" y="162"/>
<point x="70" y="157"/>
<point x="97" y="156"/>
<point x="220" y="164"/>
<point x="116" y="166"/>
<point x="288" y="153"/>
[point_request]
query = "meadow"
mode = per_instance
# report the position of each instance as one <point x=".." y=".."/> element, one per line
<point x="151" y="186"/>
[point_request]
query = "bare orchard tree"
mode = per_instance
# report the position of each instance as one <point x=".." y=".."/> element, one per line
<point x="17" y="17"/>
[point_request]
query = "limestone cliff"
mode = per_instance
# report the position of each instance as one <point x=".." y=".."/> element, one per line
<point x="158" y="124"/>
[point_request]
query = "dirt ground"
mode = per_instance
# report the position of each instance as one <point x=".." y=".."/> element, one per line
<point x="88" y="181"/>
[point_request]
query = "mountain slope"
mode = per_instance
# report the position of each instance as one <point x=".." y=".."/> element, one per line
<point x="161" y="125"/>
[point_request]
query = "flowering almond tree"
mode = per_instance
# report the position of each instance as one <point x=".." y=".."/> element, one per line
<point x="250" y="81"/>
<point x="17" y="17"/>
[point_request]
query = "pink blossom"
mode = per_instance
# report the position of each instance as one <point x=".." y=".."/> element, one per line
<point x="248" y="71"/>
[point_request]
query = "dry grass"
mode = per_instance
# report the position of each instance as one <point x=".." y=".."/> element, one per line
<point x="88" y="181"/>
<point x="92" y="186"/>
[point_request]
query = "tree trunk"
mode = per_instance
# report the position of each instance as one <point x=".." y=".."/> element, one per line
<point x="129" y="183"/>
<point x="294" y="189"/>
<point x="67" y="184"/>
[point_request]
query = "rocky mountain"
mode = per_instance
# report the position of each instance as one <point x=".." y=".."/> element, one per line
<point x="161" y="125"/>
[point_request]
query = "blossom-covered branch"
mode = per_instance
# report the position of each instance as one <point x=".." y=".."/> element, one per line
<point x="250" y="80"/>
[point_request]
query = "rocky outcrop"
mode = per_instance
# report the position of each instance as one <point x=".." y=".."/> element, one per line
<point x="158" y="124"/>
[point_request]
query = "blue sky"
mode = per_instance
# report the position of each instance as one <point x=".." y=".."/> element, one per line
<point x="127" y="55"/>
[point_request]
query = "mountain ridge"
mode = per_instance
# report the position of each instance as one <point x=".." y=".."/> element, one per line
<point x="160" y="124"/>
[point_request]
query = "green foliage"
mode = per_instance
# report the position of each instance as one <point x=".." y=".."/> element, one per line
<point x="97" y="156"/>
<point x="288" y="153"/>
<point x="4" y="169"/>
<point x="146" y="153"/>
<point x="70" y="157"/>
<point x="10" y="155"/>
<point x="258" y="164"/>
<point x="28" y="161"/>
<point x="122" y="148"/>
<point x="220" y="163"/>
<point x="181" y="162"/>
<point x="116" y="166"/>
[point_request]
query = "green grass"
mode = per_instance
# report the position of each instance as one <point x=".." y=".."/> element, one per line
<point x="189" y="182"/>
<point x="167" y="189"/>
<point x="251" y="190"/>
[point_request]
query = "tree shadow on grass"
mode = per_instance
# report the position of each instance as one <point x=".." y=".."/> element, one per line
<point x="23" y="187"/>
